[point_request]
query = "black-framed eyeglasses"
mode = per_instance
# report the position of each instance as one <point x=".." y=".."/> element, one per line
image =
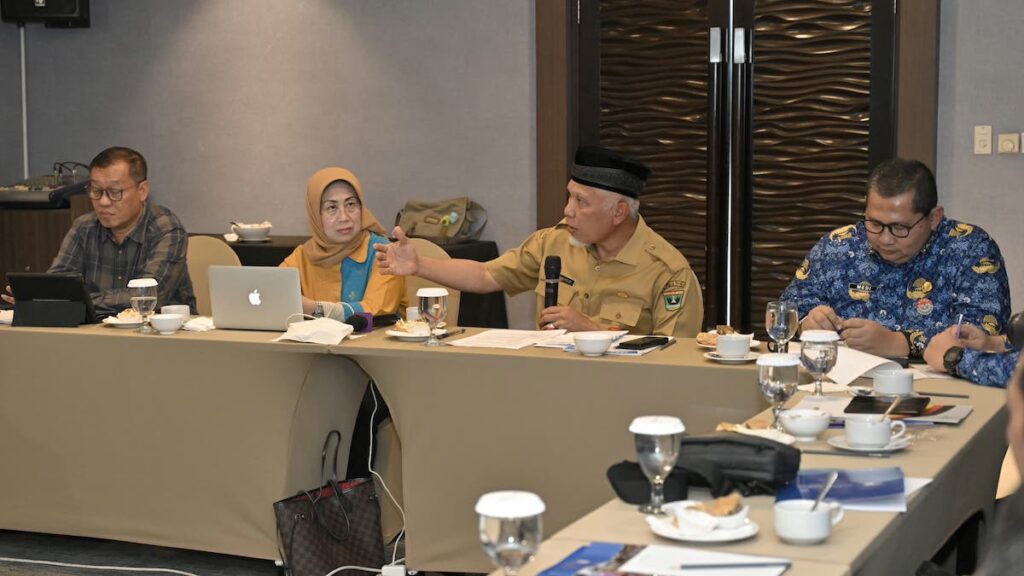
<point x="897" y="230"/>
<point x="350" y="206"/>
<point x="115" y="194"/>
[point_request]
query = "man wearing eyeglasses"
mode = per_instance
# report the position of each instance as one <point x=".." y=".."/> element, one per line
<point x="890" y="282"/>
<point x="125" y="237"/>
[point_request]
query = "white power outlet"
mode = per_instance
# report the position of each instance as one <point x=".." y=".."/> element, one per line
<point x="982" y="139"/>
<point x="1009" y="143"/>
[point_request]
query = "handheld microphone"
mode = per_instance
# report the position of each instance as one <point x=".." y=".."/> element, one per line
<point x="552" y="270"/>
<point x="1015" y="331"/>
<point x="359" y="322"/>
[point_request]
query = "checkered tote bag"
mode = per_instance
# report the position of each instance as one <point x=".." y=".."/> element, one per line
<point x="337" y="524"/>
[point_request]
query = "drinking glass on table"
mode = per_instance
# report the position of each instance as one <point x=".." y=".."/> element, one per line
<point x="510" y="527"/>
<point x="143" y="299"/>
<point x="781" y="319"/>
<point x="657" y="441"/>
<point x="433" y="308"/>
<point x="778" y="376"/>
<point x="818" y="351"/>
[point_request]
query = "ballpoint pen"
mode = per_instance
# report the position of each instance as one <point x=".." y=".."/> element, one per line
<point x="959" y="326"/>
<point x="452" y="333"/>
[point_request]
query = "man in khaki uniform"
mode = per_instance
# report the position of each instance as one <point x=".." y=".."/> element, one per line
<point x="616" y="272"/>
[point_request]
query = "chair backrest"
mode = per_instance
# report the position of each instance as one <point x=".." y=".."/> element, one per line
<point x="427" y="248"/>
<point x="204" y="251"/>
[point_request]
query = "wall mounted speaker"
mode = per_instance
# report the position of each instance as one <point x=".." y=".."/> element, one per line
<point x="54" y="13"/>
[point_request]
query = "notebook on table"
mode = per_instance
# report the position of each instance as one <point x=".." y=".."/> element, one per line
<point x="254" y="297"/>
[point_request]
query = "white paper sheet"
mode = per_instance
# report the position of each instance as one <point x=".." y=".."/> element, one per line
<point x="667" y="561"/>
<point x="507" y="339"/>
<point x="566" y="339"/>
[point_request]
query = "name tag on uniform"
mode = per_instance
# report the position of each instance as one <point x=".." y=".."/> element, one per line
<point x="566" y="280"/>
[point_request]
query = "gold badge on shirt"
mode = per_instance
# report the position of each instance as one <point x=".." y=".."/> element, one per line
<point x="990" y="324"/>
<point x="844" y="233"/>
<point x="861" y="291"/>
<point x="961" y="230"/>
<point x="986" y="266"/>
<point x="673" y="298"/>
<point x="804" y="270"/>
<point x="919" y="289"/>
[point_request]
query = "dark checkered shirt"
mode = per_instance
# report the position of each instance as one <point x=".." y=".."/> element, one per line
<point x="156" y="248"/>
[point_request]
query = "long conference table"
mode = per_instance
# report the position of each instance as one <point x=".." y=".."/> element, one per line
<point x="187" y="440"/>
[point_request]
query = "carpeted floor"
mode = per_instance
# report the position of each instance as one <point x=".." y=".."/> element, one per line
<point x="109" y="553"/>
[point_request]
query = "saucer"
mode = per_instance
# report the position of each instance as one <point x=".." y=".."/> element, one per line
<point x="407" y="337"/>
<point x="750" y="357"/>
<point x="662" y="526"/>
<point x="253" y="241"/>
<point x="893" y="446"/>
<point x="113" y="321"/>
<point x="753" y="345"/>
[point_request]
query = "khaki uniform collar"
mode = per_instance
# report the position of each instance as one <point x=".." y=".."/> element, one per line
<point x="633" y="251"/>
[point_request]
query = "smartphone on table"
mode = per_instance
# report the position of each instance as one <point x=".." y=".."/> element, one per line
<point x="644" y="343"/>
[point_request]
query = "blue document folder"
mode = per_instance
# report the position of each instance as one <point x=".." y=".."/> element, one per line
<point x="851" y="486"/>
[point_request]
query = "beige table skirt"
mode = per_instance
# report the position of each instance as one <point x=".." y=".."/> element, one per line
<point x="183" y="440"/>
<point x="472" y="421"/>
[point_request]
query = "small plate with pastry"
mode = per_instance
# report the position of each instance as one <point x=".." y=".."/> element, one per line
<point x="127" y="318"/>
<point x="720" y="520"/>
<point x="415" y="331"/>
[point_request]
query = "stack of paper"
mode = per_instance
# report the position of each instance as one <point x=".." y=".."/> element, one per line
<point x="508" y="339"/>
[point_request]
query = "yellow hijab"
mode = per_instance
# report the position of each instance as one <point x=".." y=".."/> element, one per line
<point x="320" y="250"/>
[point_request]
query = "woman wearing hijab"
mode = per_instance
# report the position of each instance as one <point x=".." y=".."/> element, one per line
<point x="337" y="267"/>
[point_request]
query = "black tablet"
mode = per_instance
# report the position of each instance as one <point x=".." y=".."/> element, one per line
<point x="910" y="406"/>
<point x="42" y="299"/>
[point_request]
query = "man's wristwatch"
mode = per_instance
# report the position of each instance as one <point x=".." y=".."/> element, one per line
<point x="951" y="360"/>
<point x="318" y="309"/>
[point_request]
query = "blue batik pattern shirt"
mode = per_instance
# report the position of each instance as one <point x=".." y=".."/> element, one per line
<point x="959" y="271"/>
<point x="987" y="368"/>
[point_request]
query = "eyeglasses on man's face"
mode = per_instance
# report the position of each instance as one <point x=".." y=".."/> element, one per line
<point x="331" y="208"/>
<point x="115" y="194"/>
<point x="897" y="230"/>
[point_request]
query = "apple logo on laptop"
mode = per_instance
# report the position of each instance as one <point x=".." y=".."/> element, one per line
<point x="254" y="298"/>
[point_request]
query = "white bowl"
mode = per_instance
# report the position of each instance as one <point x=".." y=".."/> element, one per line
<point x="252" y="231"/>
<point x="591" y="343"/>
<point x="805" y="425"/>
<point x="166" y="323"/>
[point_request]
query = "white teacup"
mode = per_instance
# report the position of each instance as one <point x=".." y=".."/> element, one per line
<point x="872" y="430"/>
<point x="898" y="382"/>
<point x="412" y="313"/>
<point x="166" y="323"/>
<point x="797" y="524"/>
<point x="733" y="345"/>
<point x="177" y="309"/>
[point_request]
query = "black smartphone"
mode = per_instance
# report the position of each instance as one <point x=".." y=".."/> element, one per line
<point x="913" y="406"/>
<point x="644" y="343"/>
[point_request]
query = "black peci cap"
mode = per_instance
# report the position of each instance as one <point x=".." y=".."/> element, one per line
<point x="602" y="168"/>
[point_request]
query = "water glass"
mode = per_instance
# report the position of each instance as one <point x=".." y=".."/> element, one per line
<point x="433" y="306"/>
<point x="143" y="299"/>
<point x="818" y="352"/>
<point x="657" y="441"/>
<point x="510" y="527"/>
<point x="778" y="376"/>
<point x="781" y="320"/>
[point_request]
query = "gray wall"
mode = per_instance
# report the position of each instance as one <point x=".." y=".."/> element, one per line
<point x="235" y="103"/>
<point x="10" y="105"/>
<point x="980" y="82"/>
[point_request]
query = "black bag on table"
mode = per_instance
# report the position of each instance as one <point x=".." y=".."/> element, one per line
<point x="337" y="524"/>
<point x="723" y="462"/>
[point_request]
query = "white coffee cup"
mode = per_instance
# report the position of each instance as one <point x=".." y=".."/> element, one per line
<point x="896" y="381"/>
<point x="177" y="309"/>
<point x="733" y="345"/>
<point x="795" y="523"/>
<point x="872" y="430"/>
<point x="412" y="313"/>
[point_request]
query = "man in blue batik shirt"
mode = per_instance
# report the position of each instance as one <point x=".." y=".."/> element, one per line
<point x="904" y="273"/>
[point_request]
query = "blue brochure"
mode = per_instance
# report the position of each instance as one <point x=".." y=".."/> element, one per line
<point x="592" y="559"/>
<point x="851" y="486"/>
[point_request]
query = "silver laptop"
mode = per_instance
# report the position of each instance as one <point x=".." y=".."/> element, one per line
<point x="254" y="297"/>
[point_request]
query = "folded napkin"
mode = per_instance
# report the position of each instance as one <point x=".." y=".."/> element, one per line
<point x="6" y="316"/>
<point x="321" y="331"/>
<point x="199" y="324"/>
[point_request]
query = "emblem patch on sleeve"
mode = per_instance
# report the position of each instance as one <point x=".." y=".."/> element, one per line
<point x="674" y="299"/>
